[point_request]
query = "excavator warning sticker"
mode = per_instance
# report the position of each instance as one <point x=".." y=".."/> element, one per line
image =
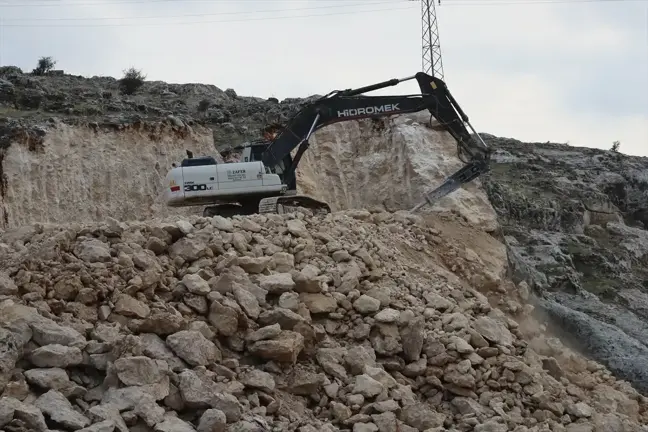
<point x="174" y="186"/>
<point x="236" y="175"/>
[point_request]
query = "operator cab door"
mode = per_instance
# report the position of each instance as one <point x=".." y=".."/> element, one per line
<point x="199" y="177"/>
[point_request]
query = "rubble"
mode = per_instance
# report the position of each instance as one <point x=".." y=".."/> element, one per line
<point x="360" y="321"/>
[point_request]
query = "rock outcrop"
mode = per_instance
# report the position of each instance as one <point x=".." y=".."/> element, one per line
<point x="575" y="222"/>
<point x="356" y="320"/>
<point x="76" y="99"/>
<point x="390" y="164"/>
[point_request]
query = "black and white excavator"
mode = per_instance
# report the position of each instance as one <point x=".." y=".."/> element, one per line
<point x="264" y="180"/>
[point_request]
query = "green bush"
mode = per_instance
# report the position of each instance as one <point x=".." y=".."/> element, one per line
<point x="45" y="65"/>
<point x="131" y="81"/>
<point x="204" y="105"/>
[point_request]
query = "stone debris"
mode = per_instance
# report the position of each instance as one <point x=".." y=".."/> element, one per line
<point x="280" y="323"/>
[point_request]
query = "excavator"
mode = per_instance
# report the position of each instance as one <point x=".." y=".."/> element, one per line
<point x="264" y="179"/>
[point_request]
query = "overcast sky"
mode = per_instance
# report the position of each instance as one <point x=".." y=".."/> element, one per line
<point x="537" y="70"/>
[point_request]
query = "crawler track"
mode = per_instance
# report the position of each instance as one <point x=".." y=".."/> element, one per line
<point x="277" y="205"/>
<point x="289" y="203"/>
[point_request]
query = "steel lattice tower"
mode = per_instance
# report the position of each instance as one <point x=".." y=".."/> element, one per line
<point x="432" y="63"/>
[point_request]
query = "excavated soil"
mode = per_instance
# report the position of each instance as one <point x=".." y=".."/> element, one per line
<point x="376" y="322"/>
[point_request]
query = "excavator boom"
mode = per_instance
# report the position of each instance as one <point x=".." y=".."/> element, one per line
<point x="353" y="105"/>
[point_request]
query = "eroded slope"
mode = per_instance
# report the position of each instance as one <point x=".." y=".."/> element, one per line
<point x="575" y="221"/>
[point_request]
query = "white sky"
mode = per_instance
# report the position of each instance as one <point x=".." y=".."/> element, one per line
<point x="537" y="70"/>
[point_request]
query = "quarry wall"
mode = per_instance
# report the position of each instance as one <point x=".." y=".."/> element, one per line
<point x="84" y="174"/>
<point x="390" y="164"/>
<point x="81" y="174"/>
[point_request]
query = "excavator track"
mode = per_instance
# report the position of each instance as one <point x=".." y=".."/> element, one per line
<point x="289" y="203"/>
<point x="226" y="210"/>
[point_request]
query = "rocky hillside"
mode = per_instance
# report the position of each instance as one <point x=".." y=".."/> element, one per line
<point x="576" y="226"/>
<point x="73" y="99"/>
<point x="370" y="320"/>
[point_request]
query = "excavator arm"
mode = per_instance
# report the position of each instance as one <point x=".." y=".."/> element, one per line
<point x="350" y="104"/>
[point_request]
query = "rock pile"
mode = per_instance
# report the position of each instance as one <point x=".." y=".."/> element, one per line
<point x="373" y="322"/>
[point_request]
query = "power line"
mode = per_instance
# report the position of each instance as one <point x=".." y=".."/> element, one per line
<point x="532" y="2"/>
<point x="208" y="14"/>
<point x="431" y="18"/>
<point x="433" y="42"/>
<point x="205" y="21"/>
<point x="54" y="3"/>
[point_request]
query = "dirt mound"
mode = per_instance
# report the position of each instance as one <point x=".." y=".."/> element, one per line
<point x="356" y="320"/>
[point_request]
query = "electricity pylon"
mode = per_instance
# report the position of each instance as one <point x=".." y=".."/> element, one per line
<point x="432" y="63"/>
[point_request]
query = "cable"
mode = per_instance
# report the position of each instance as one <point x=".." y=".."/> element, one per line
<point x="204" y="22"/>
<point x="367" y="3"/>
<point x="24" y="3"/>
<point x="206" y="14"/>
<point x="532" y="2"/>
<point x="54" y="3"/>
<point x="451" y="4"/>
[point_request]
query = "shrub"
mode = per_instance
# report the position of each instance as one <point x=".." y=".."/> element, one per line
<point x="45" y="65"/>
<point x="204" y="105"/>
<point x="131" y="81"/>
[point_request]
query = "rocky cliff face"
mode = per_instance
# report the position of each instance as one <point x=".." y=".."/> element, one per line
<point x="111" y="163"/>
<point x="575" y="221"/>
<point x="389" y="165"/>
<point x="569" y="224"/>
<point x="84" y="173"/>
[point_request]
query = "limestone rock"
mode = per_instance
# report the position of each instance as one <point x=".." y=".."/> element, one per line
<point x="193" y="347"/>
<point x="358" y="320"/>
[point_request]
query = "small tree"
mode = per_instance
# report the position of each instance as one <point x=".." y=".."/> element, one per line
<point x="615" y="146"/>
<point x="45" y="65"/>
<point x="131" y="81"/>
<point x="204" y="105"/>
